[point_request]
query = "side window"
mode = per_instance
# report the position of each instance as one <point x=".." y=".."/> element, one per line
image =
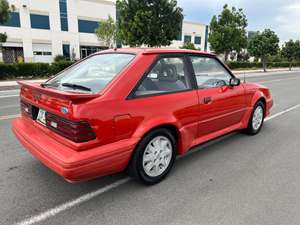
<point x="169" y="74"/>
<point x="209" y="72"/>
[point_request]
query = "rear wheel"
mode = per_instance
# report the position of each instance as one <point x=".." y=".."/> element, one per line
<point x="257" y="119"/>
<point x="154" y="157"/>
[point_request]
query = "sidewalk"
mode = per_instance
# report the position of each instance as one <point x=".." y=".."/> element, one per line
<point x="11" y="85"/>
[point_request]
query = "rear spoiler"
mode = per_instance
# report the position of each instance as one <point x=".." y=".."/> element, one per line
<point x="56" y="93"/>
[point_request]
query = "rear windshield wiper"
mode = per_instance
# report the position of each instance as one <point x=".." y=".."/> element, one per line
<point x="47" y="85"/>
<point x="76" y="86"/>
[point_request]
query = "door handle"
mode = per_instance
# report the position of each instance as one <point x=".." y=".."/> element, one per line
<point x="207" y="100"/>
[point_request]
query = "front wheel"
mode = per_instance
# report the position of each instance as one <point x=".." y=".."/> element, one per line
<point x="154" y="157"/>
<point x="257" y="119"/>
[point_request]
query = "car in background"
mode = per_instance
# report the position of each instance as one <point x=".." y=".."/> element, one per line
<point x="134" y="109"/>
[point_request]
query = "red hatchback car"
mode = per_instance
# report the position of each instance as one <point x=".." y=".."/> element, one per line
<point x="134" y="109"/>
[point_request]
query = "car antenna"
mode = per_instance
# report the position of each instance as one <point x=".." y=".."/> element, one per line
<point x="244" y="77"/>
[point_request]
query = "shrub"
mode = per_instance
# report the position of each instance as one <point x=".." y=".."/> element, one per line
<point x="31" y="70"/>
<point x="56" y="67"/>
<point x="59" y="58"/>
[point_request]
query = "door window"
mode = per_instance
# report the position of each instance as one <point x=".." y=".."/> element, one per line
<point x="169" y="74"/>
<point x="209" y="72"/>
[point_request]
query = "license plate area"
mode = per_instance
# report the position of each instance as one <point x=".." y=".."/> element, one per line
<point x="41" y="117"/>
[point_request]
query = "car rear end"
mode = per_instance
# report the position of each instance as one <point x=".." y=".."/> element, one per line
<point x="56" y="126"/>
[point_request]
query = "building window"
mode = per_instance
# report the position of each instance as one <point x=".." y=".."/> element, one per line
<point x="12" y="54"/>
<point x="41" y="53"/>
<point x="14" y="20"/>
<point x="197" y="40"/>
<point x="86" y="26"/>
<point x="63" y="15"/>
<point x="39" y="21"/>
<point x="88" y="50"/>
<point x="66" y="51"/>
<point x="187" y="38"/>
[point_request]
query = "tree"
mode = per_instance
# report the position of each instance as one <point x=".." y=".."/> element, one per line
<point x="4" y="17"/>
<point x="107" y="32"/>
<point x="263" y="45"/>
<point x="148" y="22"/>
<point x="189" y="45"/>
<point x="291" y="51"/>
<point x="228" y="31"/>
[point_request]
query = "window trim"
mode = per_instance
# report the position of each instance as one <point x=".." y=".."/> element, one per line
<point x="207" y="56"/>
<point x="159" y="57"/>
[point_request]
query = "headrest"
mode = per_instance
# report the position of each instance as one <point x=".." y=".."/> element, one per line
<point x="168" y="73"/>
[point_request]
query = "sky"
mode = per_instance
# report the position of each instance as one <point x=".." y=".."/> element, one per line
<point x="282" y="16"/>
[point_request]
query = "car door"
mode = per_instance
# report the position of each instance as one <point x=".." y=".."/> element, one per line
<point x="220" y="105"/>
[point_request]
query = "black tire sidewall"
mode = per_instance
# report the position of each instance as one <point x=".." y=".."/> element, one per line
<point x="137" y="162"/>
<point x="250" y="126"/>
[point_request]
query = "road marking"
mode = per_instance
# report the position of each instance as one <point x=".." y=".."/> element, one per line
<point x="84" y="198"/>
<point x="9" y="117"/>
<point x="8" y="106"/>
<point x="54" y="211"/>
<point x="9" y="96"/>
<point x="271" y="81"/>
<point x="283" y="112"/>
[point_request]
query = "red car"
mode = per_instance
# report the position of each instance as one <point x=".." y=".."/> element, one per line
<point x="134" y="109"/>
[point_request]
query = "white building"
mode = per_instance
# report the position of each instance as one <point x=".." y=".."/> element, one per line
<point x="194" y="32"/>
<point x="40" y="30"/>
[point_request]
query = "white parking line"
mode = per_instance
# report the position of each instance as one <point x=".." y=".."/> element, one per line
<point x="77" y="201"/>
<point x="9" y="117"/>
<point x="8" y="106"/>
<point x="283" y="112"/>
<point x="9" y="96"/>
<point x="271" y="81"/>
<point x="70" y="204"/>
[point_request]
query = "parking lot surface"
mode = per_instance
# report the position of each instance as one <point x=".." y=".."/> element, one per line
<point x="235" y="179"/>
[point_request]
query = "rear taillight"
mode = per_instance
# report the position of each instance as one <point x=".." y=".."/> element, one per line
<point x="74" y="131"/>
<point x="26" y="108"/>
<point x="29" y="110"/>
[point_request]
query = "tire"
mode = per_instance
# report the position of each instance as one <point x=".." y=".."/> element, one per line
<point x="256" y="120"/>
<point x="151" y="164"/>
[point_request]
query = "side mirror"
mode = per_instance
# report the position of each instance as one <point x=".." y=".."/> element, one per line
<point x="234" y="82"/>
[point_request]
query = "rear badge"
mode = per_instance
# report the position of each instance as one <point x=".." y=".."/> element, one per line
<point x="64" y="110"/>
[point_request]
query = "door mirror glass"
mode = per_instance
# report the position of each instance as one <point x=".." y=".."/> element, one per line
<point x="234" y="82"/>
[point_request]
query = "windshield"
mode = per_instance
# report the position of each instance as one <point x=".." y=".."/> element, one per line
<point x="91" y="75"/>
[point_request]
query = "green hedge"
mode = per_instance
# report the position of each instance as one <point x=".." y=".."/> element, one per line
<point x="40" y="70"/>
<point x="253" y="65"/>
<point x="31" y="70"/>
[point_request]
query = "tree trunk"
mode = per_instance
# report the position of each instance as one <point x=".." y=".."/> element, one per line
<point x="226" y="56"/>
<point x="264" y="62"/>
<point x="290" y="66"/>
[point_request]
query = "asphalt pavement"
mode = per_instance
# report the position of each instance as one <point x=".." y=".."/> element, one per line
<point x="233" y="180"/>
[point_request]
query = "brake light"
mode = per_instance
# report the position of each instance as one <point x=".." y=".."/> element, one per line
<point x="74" y="131"/>
<point x="26" y="108"/>
<point x="29" y="110"/>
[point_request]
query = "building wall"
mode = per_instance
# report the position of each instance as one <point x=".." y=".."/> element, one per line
<point x="192" y="29"/>
<point x="27" y="37"/>
<point x="38" y="44"/>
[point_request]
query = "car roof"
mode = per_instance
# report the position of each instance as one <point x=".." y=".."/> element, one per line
<point x="146" y="51"/>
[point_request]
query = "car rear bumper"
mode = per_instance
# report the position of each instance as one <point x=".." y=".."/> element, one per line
<point x="74" y="166"/>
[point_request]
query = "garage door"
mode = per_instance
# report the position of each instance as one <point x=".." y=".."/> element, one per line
<point x="42" y="53"/>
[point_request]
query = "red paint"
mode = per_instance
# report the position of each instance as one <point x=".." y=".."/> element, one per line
<point x="120" y="123"/>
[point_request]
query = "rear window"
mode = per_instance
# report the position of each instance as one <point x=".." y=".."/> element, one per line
<point x="92" y="74"/>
